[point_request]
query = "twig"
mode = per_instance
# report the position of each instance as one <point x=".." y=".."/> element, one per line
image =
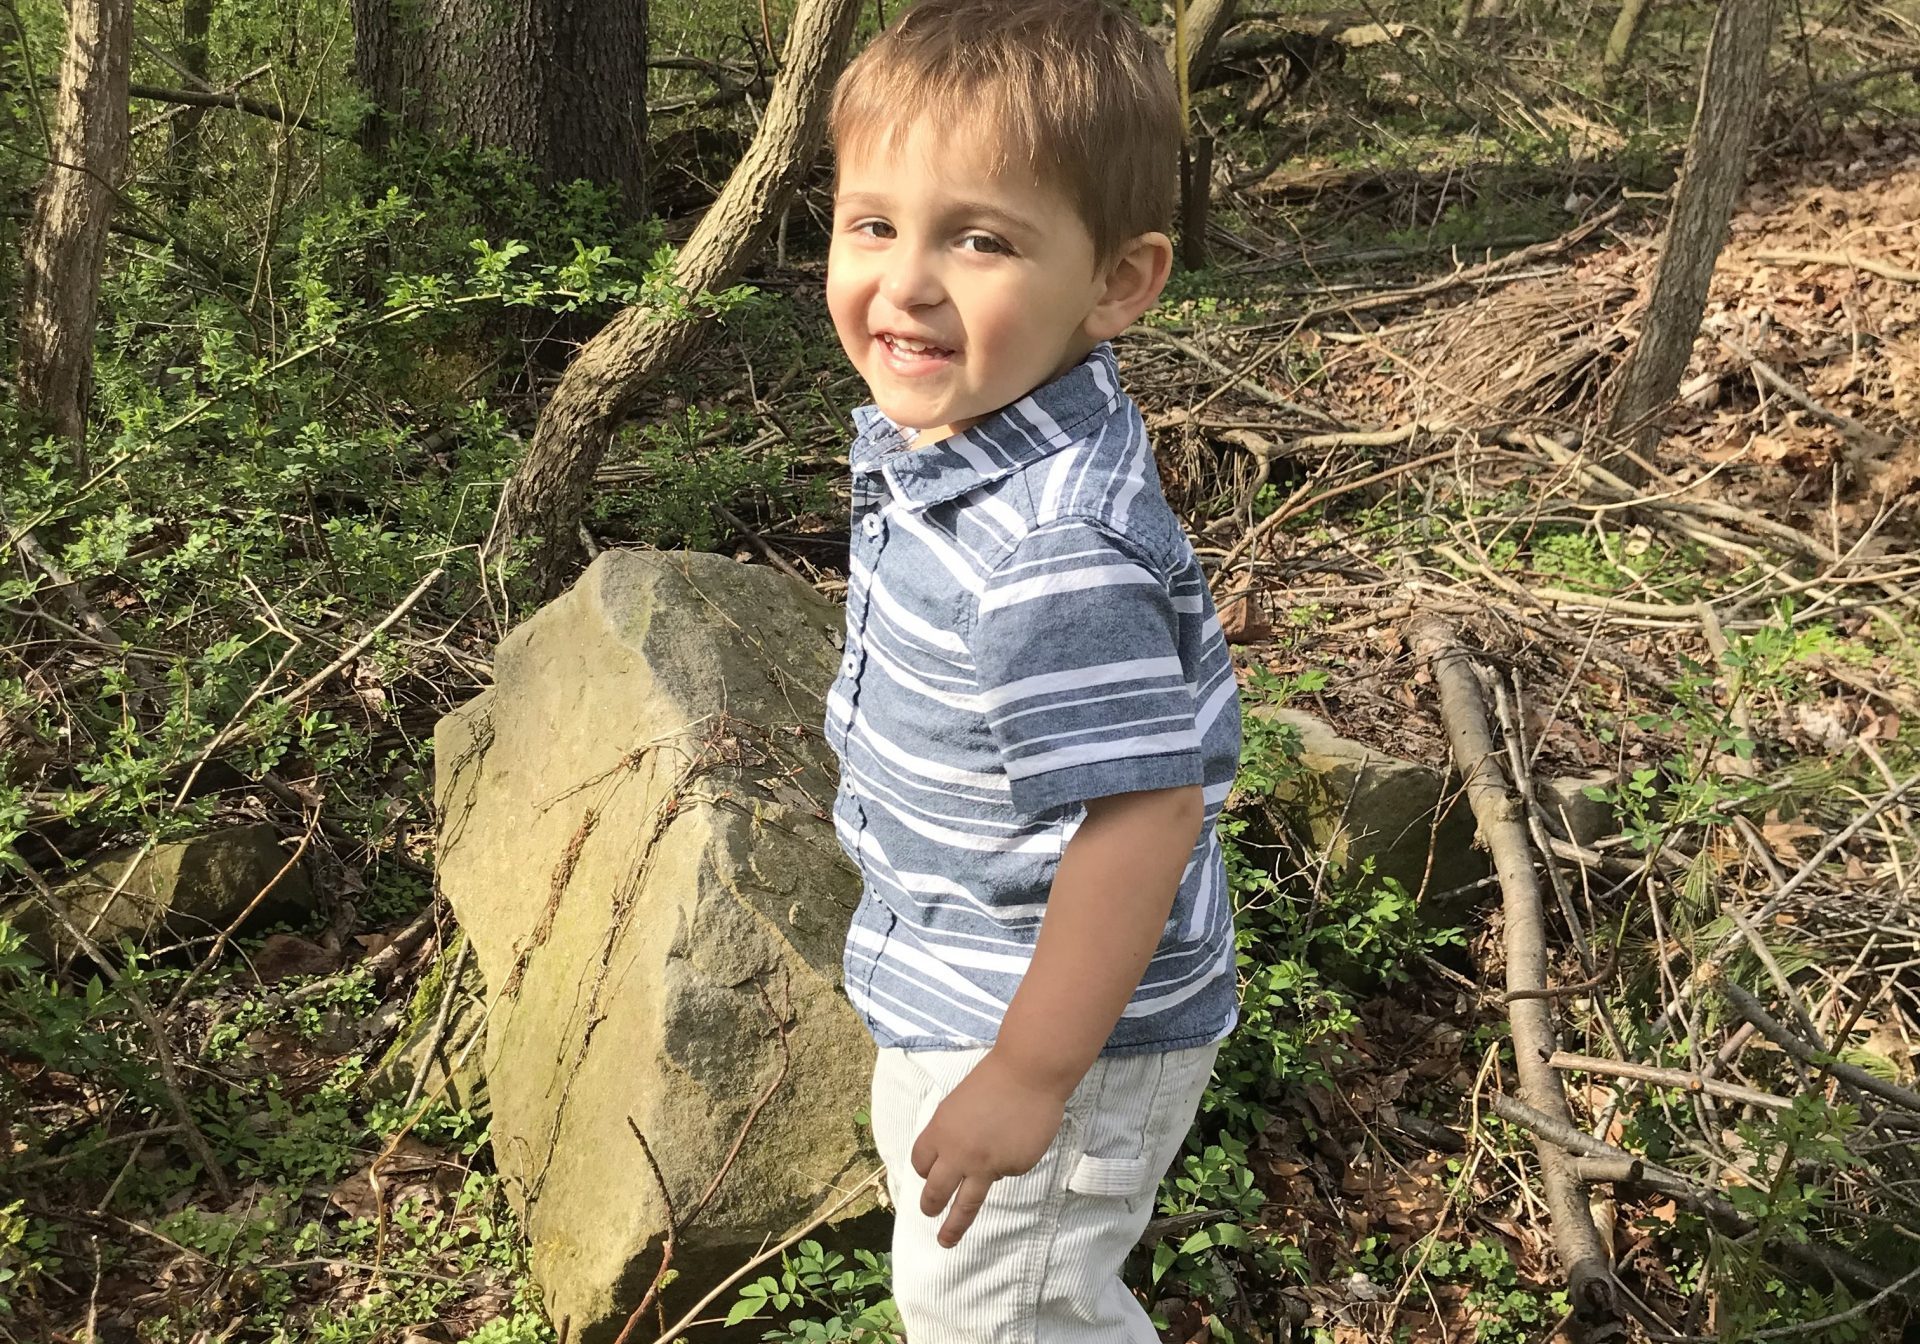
<point x="760" y="544"/>
<point x="666" y="1250"/>
<point x="680" y="1327"/>
<point x="1294" y="509"/>
<point x="196" y="98"/>
<point x="246" y="911"/>
<point x="1772" y="377"/>
<point x="381" y="964"/>
<point x="782" y="1025"/>
<point x="1599" y="978"/>
<point x="1266" y="394"/>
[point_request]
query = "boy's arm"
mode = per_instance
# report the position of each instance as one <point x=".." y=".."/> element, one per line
<point x="1112" y="893"/>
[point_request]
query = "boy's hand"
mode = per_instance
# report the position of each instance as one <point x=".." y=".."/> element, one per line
<point x="995" y="1123"/>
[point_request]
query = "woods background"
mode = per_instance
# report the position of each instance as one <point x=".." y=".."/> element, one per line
<point x="1540" y="385"/>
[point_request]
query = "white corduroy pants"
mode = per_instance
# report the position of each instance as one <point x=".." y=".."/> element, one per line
<point x="1041" y="1263"/>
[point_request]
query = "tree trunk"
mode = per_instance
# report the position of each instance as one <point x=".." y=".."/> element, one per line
<point x="544" y="501"/>
<point x="183" y="145"/>
<point x="562" y="83"/>
<point x="1732" y="91"/>
<point x="1626" y="31"/>
<point x="66" y="238"/>
<point x="1207" y="23"/>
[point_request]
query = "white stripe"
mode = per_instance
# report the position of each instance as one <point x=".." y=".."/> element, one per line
<point x="1216" y="704"/>
<point x="936" y="885"/>
<point x="988" y="504"/>
<point x="1040" y="420"/>
<point x="919" y="627"/>
<point x="1073" y="581"/>
<point x="1103" y="674"/>
<point x="1052" y="705"/>
<point x="991" y="781"/>
<point x="908" y="680"/>
<point x="1156" y="744"/>
<point x="941" y="548"/>
<point x="1136" y="479"/>
<point x="1047" y="561"/>
<point x="937" y="972"/>
<point x="899" y="1026"/>
<point x="1160" y="1003"/>
<point x="1098" y="368"/>
<point x="1026" y="742"/>
<point x="1057" y="471"/>
<point x="1032" y="842"/>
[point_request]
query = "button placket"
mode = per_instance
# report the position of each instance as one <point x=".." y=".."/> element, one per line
<point x="869" y="541"/>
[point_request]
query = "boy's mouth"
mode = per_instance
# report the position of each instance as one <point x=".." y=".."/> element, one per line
<point x="905" y="350"/>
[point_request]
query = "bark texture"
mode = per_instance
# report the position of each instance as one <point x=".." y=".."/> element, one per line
<point x="561" y="82"/>
<point x="66" y="239"/>
<point x="1207" y="23"/>
<point x="546" y="497"/>
<point x="1732" y="91"/>
<point x="183" y="146"/>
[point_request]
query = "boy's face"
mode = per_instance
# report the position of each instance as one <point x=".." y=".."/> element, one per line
<point x="956" y="289"/>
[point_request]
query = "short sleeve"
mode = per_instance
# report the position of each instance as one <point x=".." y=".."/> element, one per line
<point x="1081" y="682"/>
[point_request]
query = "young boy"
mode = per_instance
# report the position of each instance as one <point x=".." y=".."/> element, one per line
<point x="1035" y="716"/>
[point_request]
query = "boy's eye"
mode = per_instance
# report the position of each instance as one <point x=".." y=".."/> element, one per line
<point x="985" y="242"/>
<point x="873" y="228"/>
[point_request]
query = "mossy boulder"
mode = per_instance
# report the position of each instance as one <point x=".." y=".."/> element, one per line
<point x="174" y="898"/>
<point x="637" y="838"/>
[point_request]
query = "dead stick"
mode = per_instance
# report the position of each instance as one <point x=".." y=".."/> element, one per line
<point x="1680" y="1078"/>
<point x="1590" y="1287"/>
<point x="1749" y="1008"/>
<point x="1873" y="264"/>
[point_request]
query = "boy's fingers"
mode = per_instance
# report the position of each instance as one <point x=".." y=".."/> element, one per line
<point x="966" y="1207"/>
<point x="942" y="1181"/>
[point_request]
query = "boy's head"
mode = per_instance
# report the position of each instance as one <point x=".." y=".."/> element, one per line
<point x="1005" y="175"/>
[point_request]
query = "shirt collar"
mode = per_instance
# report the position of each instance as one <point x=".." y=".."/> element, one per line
<point x="1049" y="418"/>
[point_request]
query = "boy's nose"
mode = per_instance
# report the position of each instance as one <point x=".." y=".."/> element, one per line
<point x="909" y="282"/>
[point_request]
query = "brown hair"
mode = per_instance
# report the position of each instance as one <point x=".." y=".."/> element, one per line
<point x="1075" y="88"/>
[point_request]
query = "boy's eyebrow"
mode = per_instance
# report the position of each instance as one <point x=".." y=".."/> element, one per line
<point x="981" y="210"/>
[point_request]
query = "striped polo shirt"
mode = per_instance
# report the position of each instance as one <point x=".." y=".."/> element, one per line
<point x="1027" y="628"/>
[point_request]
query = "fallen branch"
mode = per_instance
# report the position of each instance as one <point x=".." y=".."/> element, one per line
<point x="1870" y="264"/>
<point x="1467" y="275"/>
<point x="1749" y="1008"/>
<point x="1590" y="1286"/>
<point x="449" y="995"/>
<point x="1772" y="377"/>
<point x="1569" y="1137"/>
<point x="1676" y="1078"/>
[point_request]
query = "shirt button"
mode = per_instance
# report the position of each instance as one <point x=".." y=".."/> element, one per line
<point x="850" y="665"/>
<point x="872" y="525"/>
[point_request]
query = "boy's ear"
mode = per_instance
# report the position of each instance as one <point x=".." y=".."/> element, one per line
<point x="1134" y="280"/>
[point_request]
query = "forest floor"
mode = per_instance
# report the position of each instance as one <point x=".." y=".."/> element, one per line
<point x="1358" y="425"/>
